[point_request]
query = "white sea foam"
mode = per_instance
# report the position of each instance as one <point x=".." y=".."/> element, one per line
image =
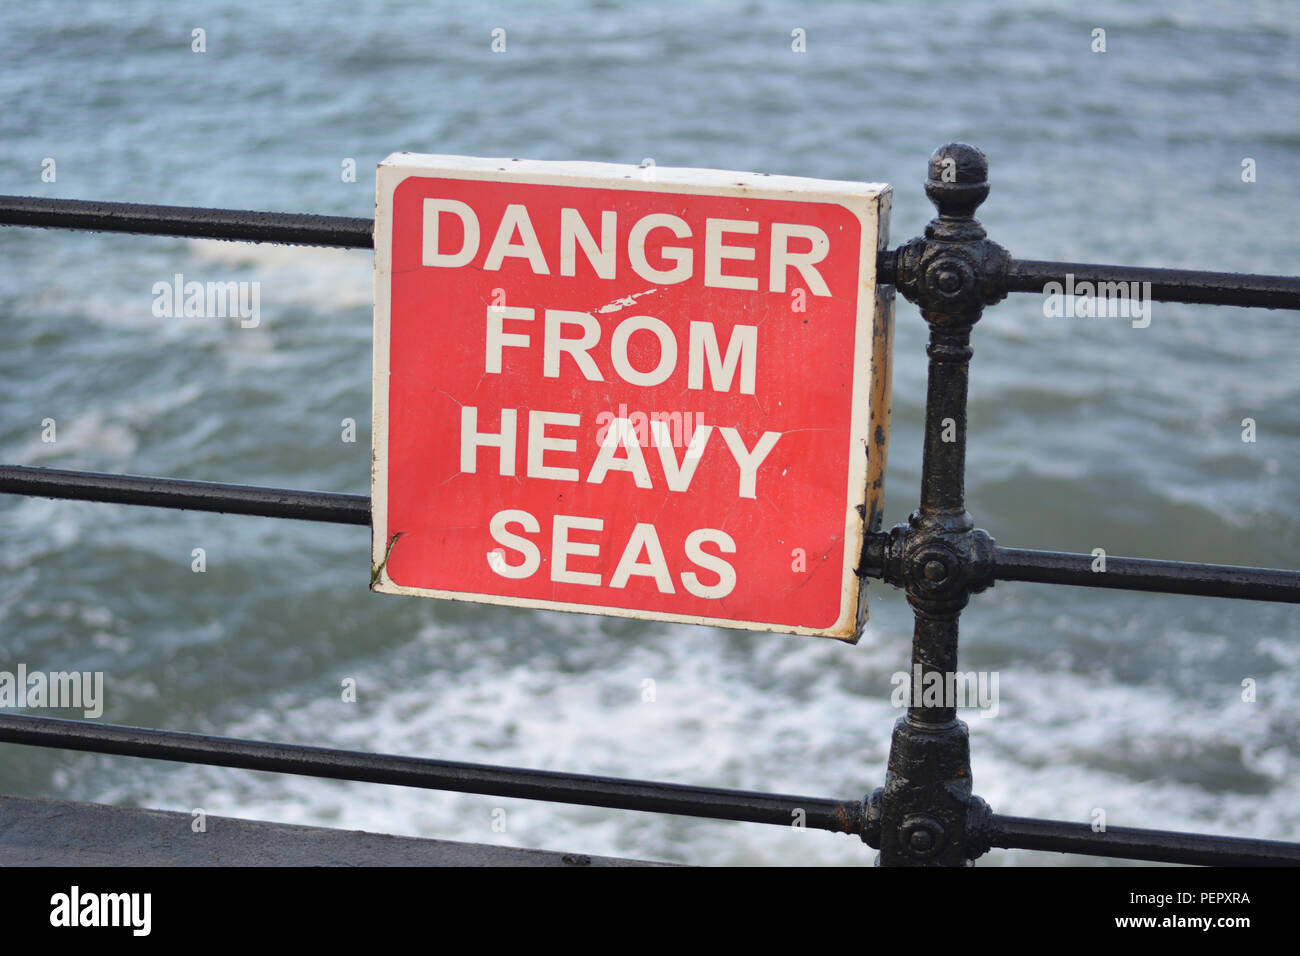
<point x="787" y="719"/>
<point x="317" y="277"/>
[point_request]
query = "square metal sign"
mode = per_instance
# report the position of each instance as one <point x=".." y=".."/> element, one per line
<point x="628" y="390"/>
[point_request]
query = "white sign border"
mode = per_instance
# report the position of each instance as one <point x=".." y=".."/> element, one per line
<point x="870" y="202"/>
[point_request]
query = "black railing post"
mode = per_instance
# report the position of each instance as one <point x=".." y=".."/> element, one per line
<point x="926" y="806"/>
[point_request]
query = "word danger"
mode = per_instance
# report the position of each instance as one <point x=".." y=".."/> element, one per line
<point x="516" y="237"/>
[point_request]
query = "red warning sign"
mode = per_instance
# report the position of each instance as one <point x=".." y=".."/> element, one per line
<point x="648" y="392"/>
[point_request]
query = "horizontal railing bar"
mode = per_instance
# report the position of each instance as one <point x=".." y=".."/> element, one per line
<point x="586" y="790"/>
<point x="1146" y="574"/>
<point x="236" y="224"/>
<point x="1167" y="285"/>
<point x="1010" y="564"/>
<point x="191" y="495"/>
<point x="612" y="792"/>
<point x="1128" y="574"/>
<point x="1024" y="275"/>
<point x="1159" y="846"/>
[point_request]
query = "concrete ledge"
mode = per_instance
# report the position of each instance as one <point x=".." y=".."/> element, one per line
<point x="36" y="832"/>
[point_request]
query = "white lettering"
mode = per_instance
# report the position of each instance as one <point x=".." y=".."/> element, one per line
<point x="471" y="439"/>
<point x="553" y="343"/>
<point x="667" y="350"/>
<point x="643" y="538"/>
<point x="747" y="460"/>
<point x="574" y="232"/>
<point x="539" y="444"/>
<point x="725" y="572"/>
<point x="782" y="258"/>
<point x="497" y="338"/>
<point x="679" y="254"/>
<point x="562" y="548"/>
<point x="742" y="349"/>
<point x="715" y="252"/>
<point x="469" y="247"/>
<point x="515" y="220"/>
<point x="531" y="554"/>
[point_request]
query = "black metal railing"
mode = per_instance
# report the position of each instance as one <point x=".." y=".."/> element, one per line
<point x="926" y="813"/>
